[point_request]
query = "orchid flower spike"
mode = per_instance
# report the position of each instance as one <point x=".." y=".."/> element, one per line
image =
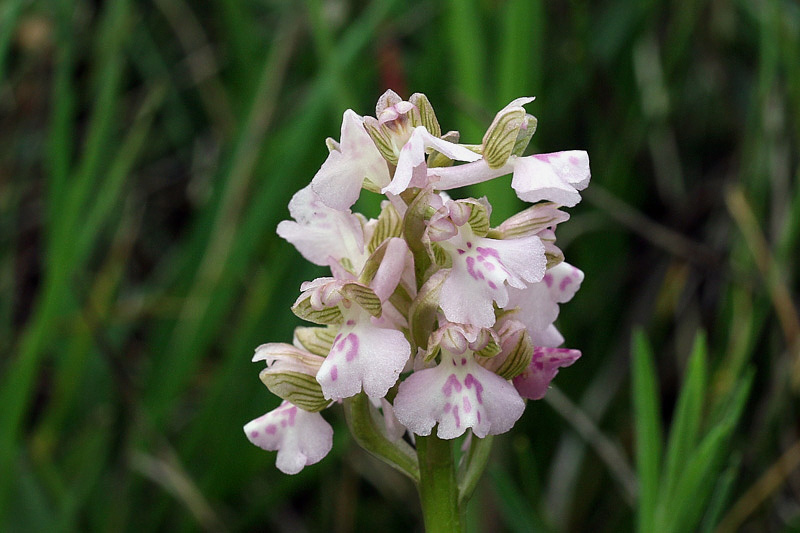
<point x="430" y="321"/>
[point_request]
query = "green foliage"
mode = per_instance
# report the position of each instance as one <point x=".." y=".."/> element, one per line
<point x="675" y="497"/>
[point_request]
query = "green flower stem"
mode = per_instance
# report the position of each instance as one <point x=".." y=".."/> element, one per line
<point x="438" y="489"/>
<point x="398" y="454"/>
<point x="475" y="464"/>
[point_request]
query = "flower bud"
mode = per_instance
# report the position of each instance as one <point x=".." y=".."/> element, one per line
<point x="315" y="340"/>
<point x="322" y="300"/>
<point x="390" y="224"/>
<point x="516" y="351"/>
<point x="441" y="226"/>
<point x="393" y="128"/>
<point x="532" y="221"/>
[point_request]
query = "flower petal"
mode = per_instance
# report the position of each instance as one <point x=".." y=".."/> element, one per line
<point x="537" y="310"/>
<point x="563" y="280"/>
<point x="338" y="182"/>
<point x="446" y="178"/>
<point x="321" y="231"/>
<point x="451" y="150"/>
<point x="457" y="394"/>
<point x="467" y="300"/>
<point x="555" y="177"/>
<point x="301" y="438"/>
<point x="533" y="382"/>
<point x="481" y="267"/>
<point x="391" y="268"/>
<point x="412" y="155"/>
<point x="363" y="356"/>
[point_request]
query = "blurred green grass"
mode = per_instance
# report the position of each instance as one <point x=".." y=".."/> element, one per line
<point x="150" y="148"/>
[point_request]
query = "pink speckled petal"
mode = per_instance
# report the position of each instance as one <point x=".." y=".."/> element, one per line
<point x="565" y="280"/>
<point x="363" y="356"/>
<point x="481" y="269"/>
<point x="457" y="394"/>
<point x="467" y="300"/>
<point x="523" y="257"/>
<point x="533" y="382"/>
<point x="301" y="438"/>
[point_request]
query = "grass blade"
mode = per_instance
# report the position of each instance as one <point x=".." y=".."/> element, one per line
<point x="647" y="413"/>
<point x="685" y="426"/>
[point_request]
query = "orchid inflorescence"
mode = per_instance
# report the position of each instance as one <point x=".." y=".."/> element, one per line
<point x="430" y="318"/>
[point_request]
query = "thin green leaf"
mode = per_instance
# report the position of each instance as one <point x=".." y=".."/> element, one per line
<point x="647" y="414"/>
<point x="703" y="467"/>
<point x="719" y="498"/>
<point x="686" y="423"/>
<point x="518" y="514"/>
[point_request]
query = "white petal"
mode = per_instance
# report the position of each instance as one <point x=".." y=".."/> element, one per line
<point x="537" y="310"/>
<point x="321" y="231"/>
<point x="411" y="156"/>
<point x="338" y="182"/>
<point x="391" y="268"/>
<point x="445" y="178"/>
<point x="555" y="177"/>
<point x="451" y="150"/>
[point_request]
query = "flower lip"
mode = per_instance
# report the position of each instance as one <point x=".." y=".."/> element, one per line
<point x="457" y="394"/>
<point x="301" y="438"/>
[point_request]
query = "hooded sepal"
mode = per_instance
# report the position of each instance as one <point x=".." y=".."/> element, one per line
<point x="426" y="114"/>
<point x="315" y="340"/>
<point x="516" y="350"/>
<point x="501" y="137"/>
<point x="531" y="221"/>
<point x="290" y="375"/>
<point x="526" y="131"/>
<point x="390" y="224"/>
